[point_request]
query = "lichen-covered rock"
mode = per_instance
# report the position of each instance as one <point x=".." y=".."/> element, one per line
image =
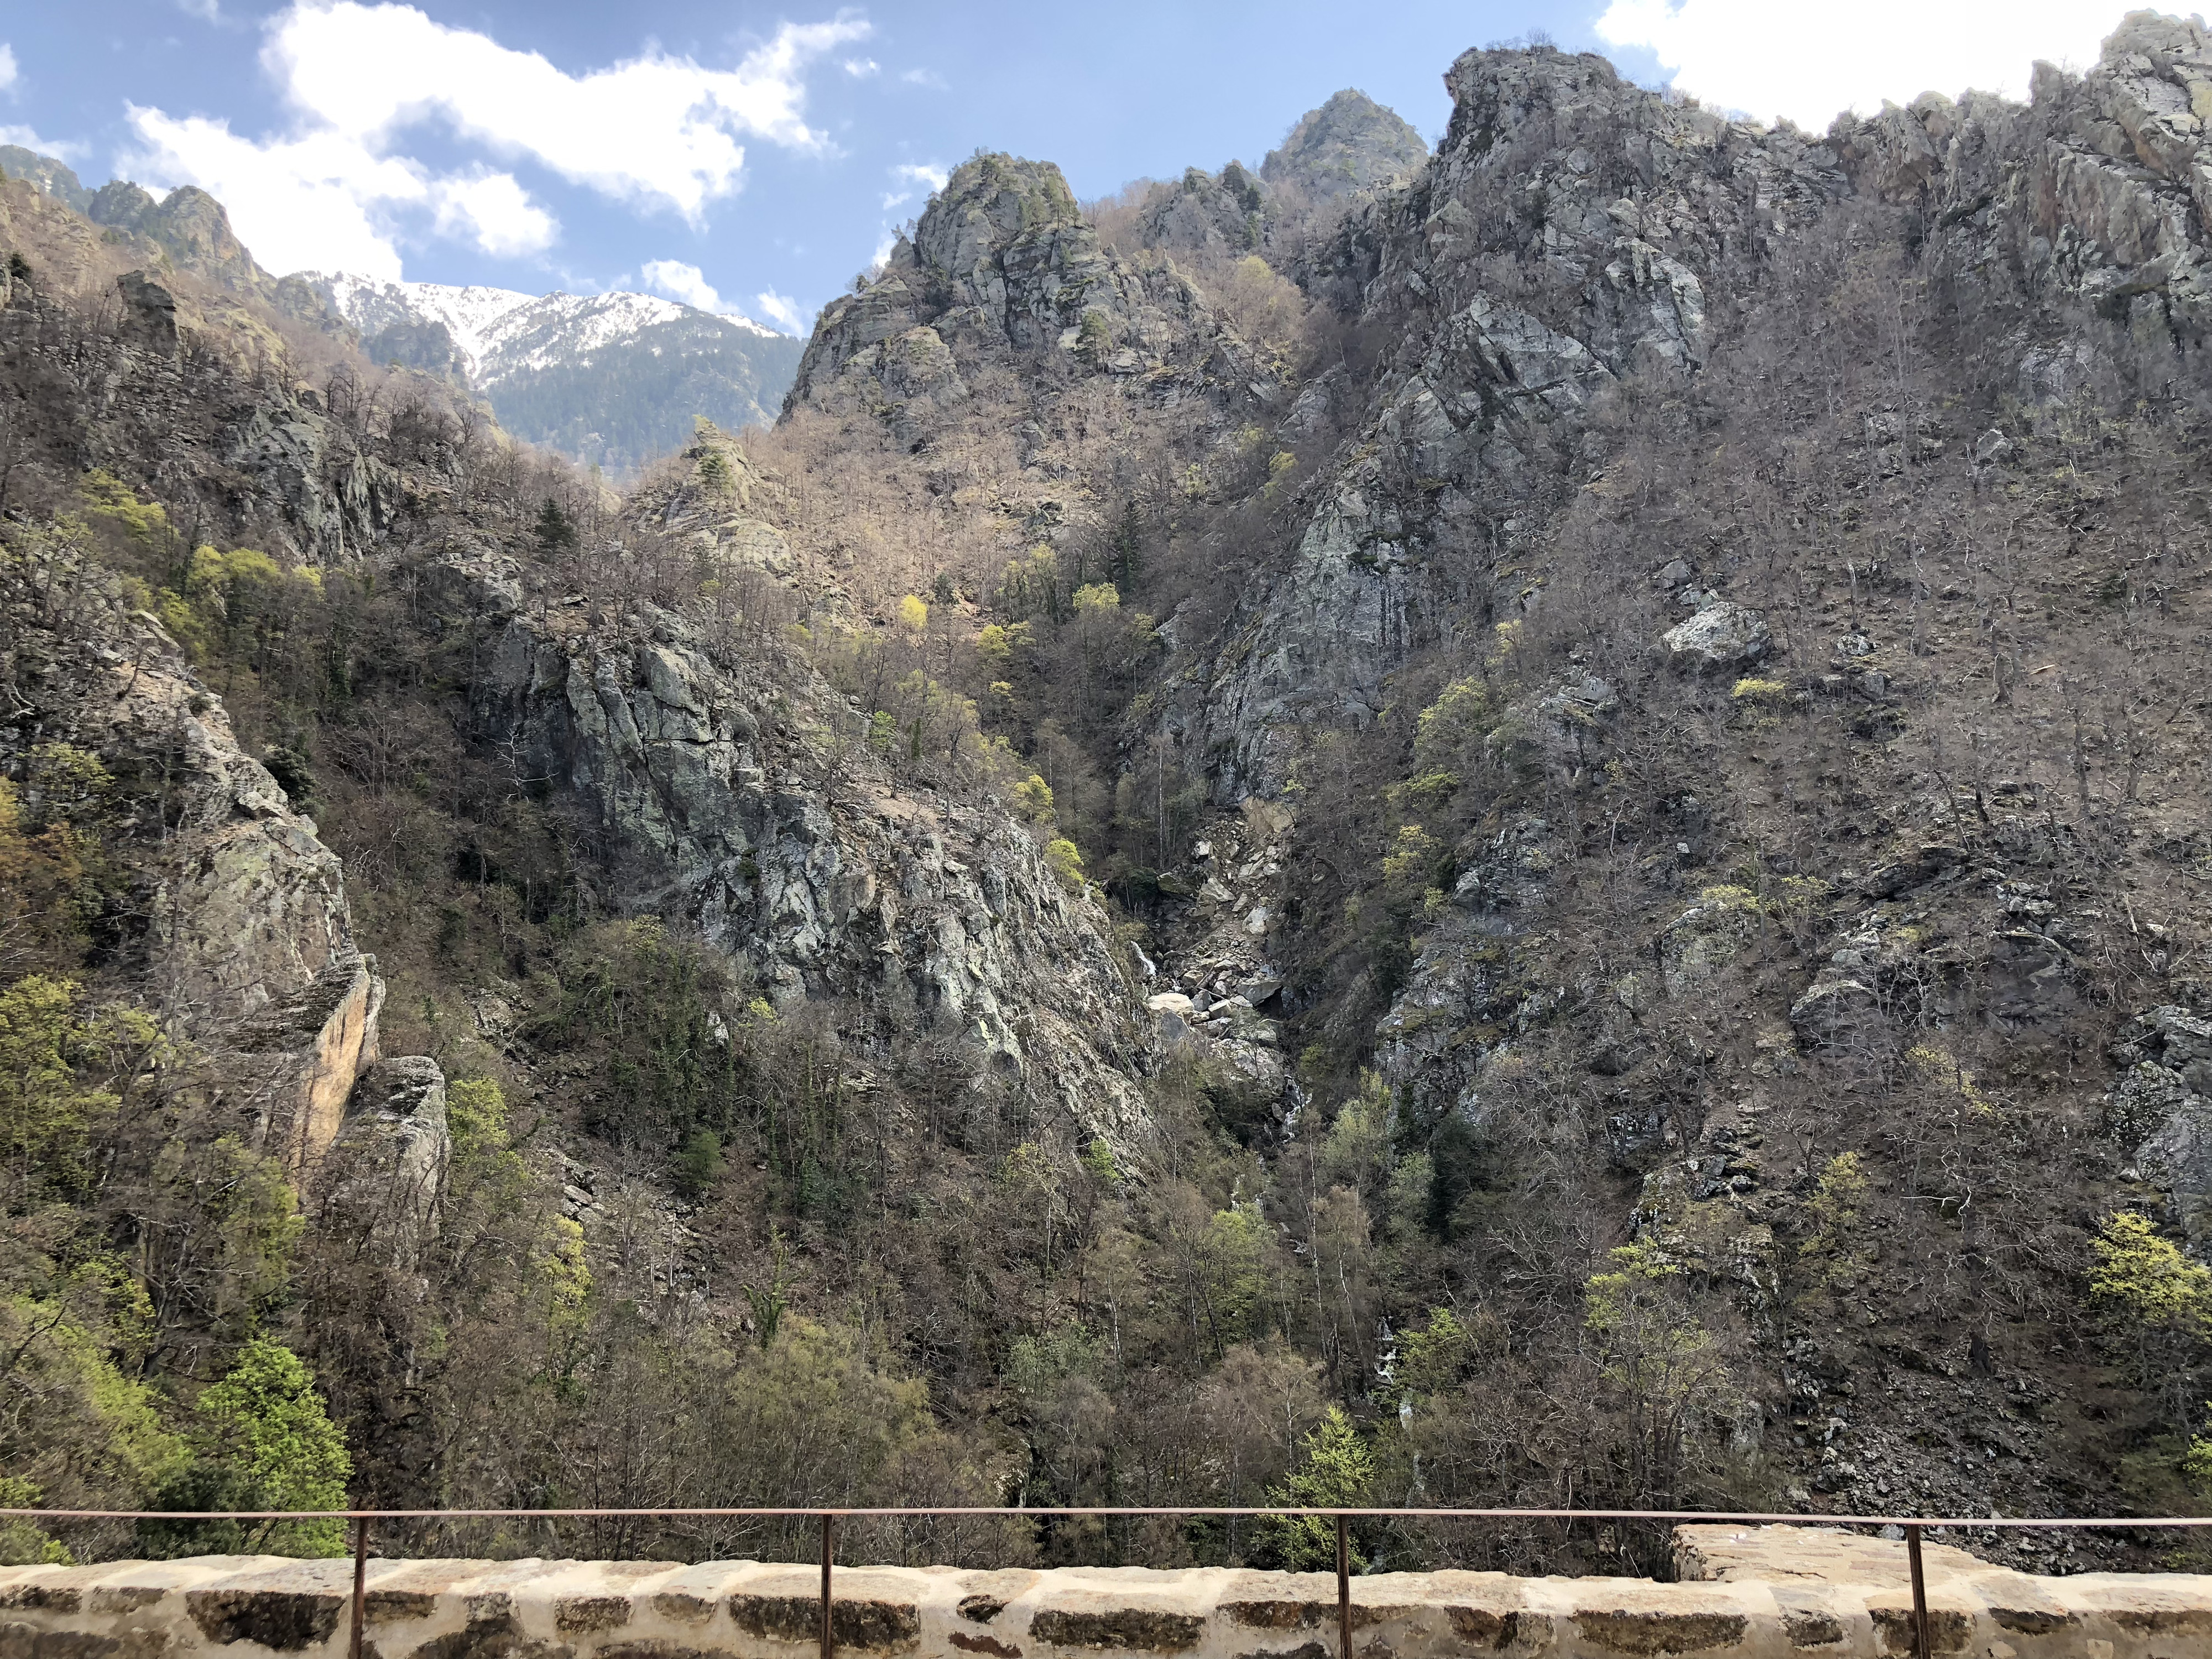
<point x="248" y="951"/>
<point x="1202" y="213"/>
<point x="2099" y="191"/>
<point x="1722" y="636"/>
<point x="309" y="1050"/>
<point x="2160" y="1109"/>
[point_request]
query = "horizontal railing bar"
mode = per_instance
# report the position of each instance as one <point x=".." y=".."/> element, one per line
<point x="1721" y="1518"/>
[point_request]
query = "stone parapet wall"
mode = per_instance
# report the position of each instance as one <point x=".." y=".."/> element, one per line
<point x="1770" y="1593"/>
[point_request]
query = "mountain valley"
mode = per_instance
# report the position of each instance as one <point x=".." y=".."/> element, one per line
<point x="1525" y="825"/>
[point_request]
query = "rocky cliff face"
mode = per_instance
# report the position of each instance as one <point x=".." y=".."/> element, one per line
<point x="44" y="172"/>
<point x="1202" y="213"/>
<point x="1572" y="235"/>
<point x="724" y="784"/>
<point x="1609" y="203"/>
<point x="268" y="458"/>
<point x="1618" y="211"/>
<point x="1350" y="144"/>
<point x="236" y="919"/>
<point x="191" y="226"/>
<point x="1002" y="264"/>
<point x="2100" y="190"/>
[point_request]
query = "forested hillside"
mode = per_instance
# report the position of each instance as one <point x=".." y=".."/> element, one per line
<point x="1528" y="826"/>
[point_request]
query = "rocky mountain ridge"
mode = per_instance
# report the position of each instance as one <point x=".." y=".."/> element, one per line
<point x="612" y="378"/>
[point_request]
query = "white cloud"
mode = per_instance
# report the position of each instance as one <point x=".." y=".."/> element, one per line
<point x="683" y="282"/>
<point x="925" y="77"/>
<point x="861" y="68"/>
<point x="64" y="149"/>
<point x="782" y="310"/>
<point x="1773" y="58"/>
<point x="324" y="201"/>
<point x="336" y="192"/>
<point x="208" y="11"/>
<point x="495" y="212"/>
<point x="7" y="67"/>
<point x="910" y="176"/>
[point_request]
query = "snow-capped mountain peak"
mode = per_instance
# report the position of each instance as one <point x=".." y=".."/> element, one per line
<point x="498" y="331"/>
<point x="612" y="377"/>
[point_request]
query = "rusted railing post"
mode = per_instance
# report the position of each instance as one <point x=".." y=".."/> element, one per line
<point x="1921" y="1647"/>
<point x="828" y="1642"/>
<point x="359" y="1581"/>
<point x="1343" y="1589"/>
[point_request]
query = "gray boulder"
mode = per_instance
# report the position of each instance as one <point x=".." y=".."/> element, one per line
<point x="1724" y="635"/>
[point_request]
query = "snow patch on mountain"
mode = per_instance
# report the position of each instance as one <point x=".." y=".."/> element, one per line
<point x="499" y="331"/>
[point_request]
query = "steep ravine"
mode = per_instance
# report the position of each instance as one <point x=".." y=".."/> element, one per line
<point x="1628" y="695"/>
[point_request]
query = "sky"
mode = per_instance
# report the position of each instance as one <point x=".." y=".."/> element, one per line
<point x="752" y="158"/>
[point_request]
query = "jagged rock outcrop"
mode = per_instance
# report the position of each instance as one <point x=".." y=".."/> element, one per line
<point x="2100" y="189"/>
<point x="242" y="929"/>
<point x="2161" y="1108"/>
<point x="1001" y="263"/>
<point x="1349" y="144"/>
<point x="1722" y="636"/>
<point x="47" y="174"/>
<point x="335" y="499"/>
<point x="193" y="229"/>
<point x="266" y="458"/>
<point x="1203" y="213"/>
<point x="1629" y="205"/>
<point x="387" y="1170"/>
<point x="734" y="789"/>
<point x="1622" y="198"/>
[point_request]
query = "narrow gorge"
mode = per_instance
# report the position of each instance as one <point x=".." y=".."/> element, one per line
<point x="1525" y="825"/>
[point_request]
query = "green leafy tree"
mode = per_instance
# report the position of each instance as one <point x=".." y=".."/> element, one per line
<point x="1128" y="546"/>
<point x="1335" y="1471"/>
<point x="79" y="1431"/>
<point x="2149" y="1278"/>
<point x="769" y="1302"/>
<point x="25" y="1543"/>
<point x="698" y="1164"/>
<point x="2162" y="1302"/>
<point x="1659" y="1359"/>
<point x="266" y="1442"/>
<point x="1094" y="339"/>
<point x="53" y="1066"/>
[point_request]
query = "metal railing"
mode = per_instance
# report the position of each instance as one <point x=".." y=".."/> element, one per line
<point x="1911" y="1525"/>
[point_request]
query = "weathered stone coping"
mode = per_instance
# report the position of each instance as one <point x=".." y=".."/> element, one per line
<point x="1767" y="1593"/>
